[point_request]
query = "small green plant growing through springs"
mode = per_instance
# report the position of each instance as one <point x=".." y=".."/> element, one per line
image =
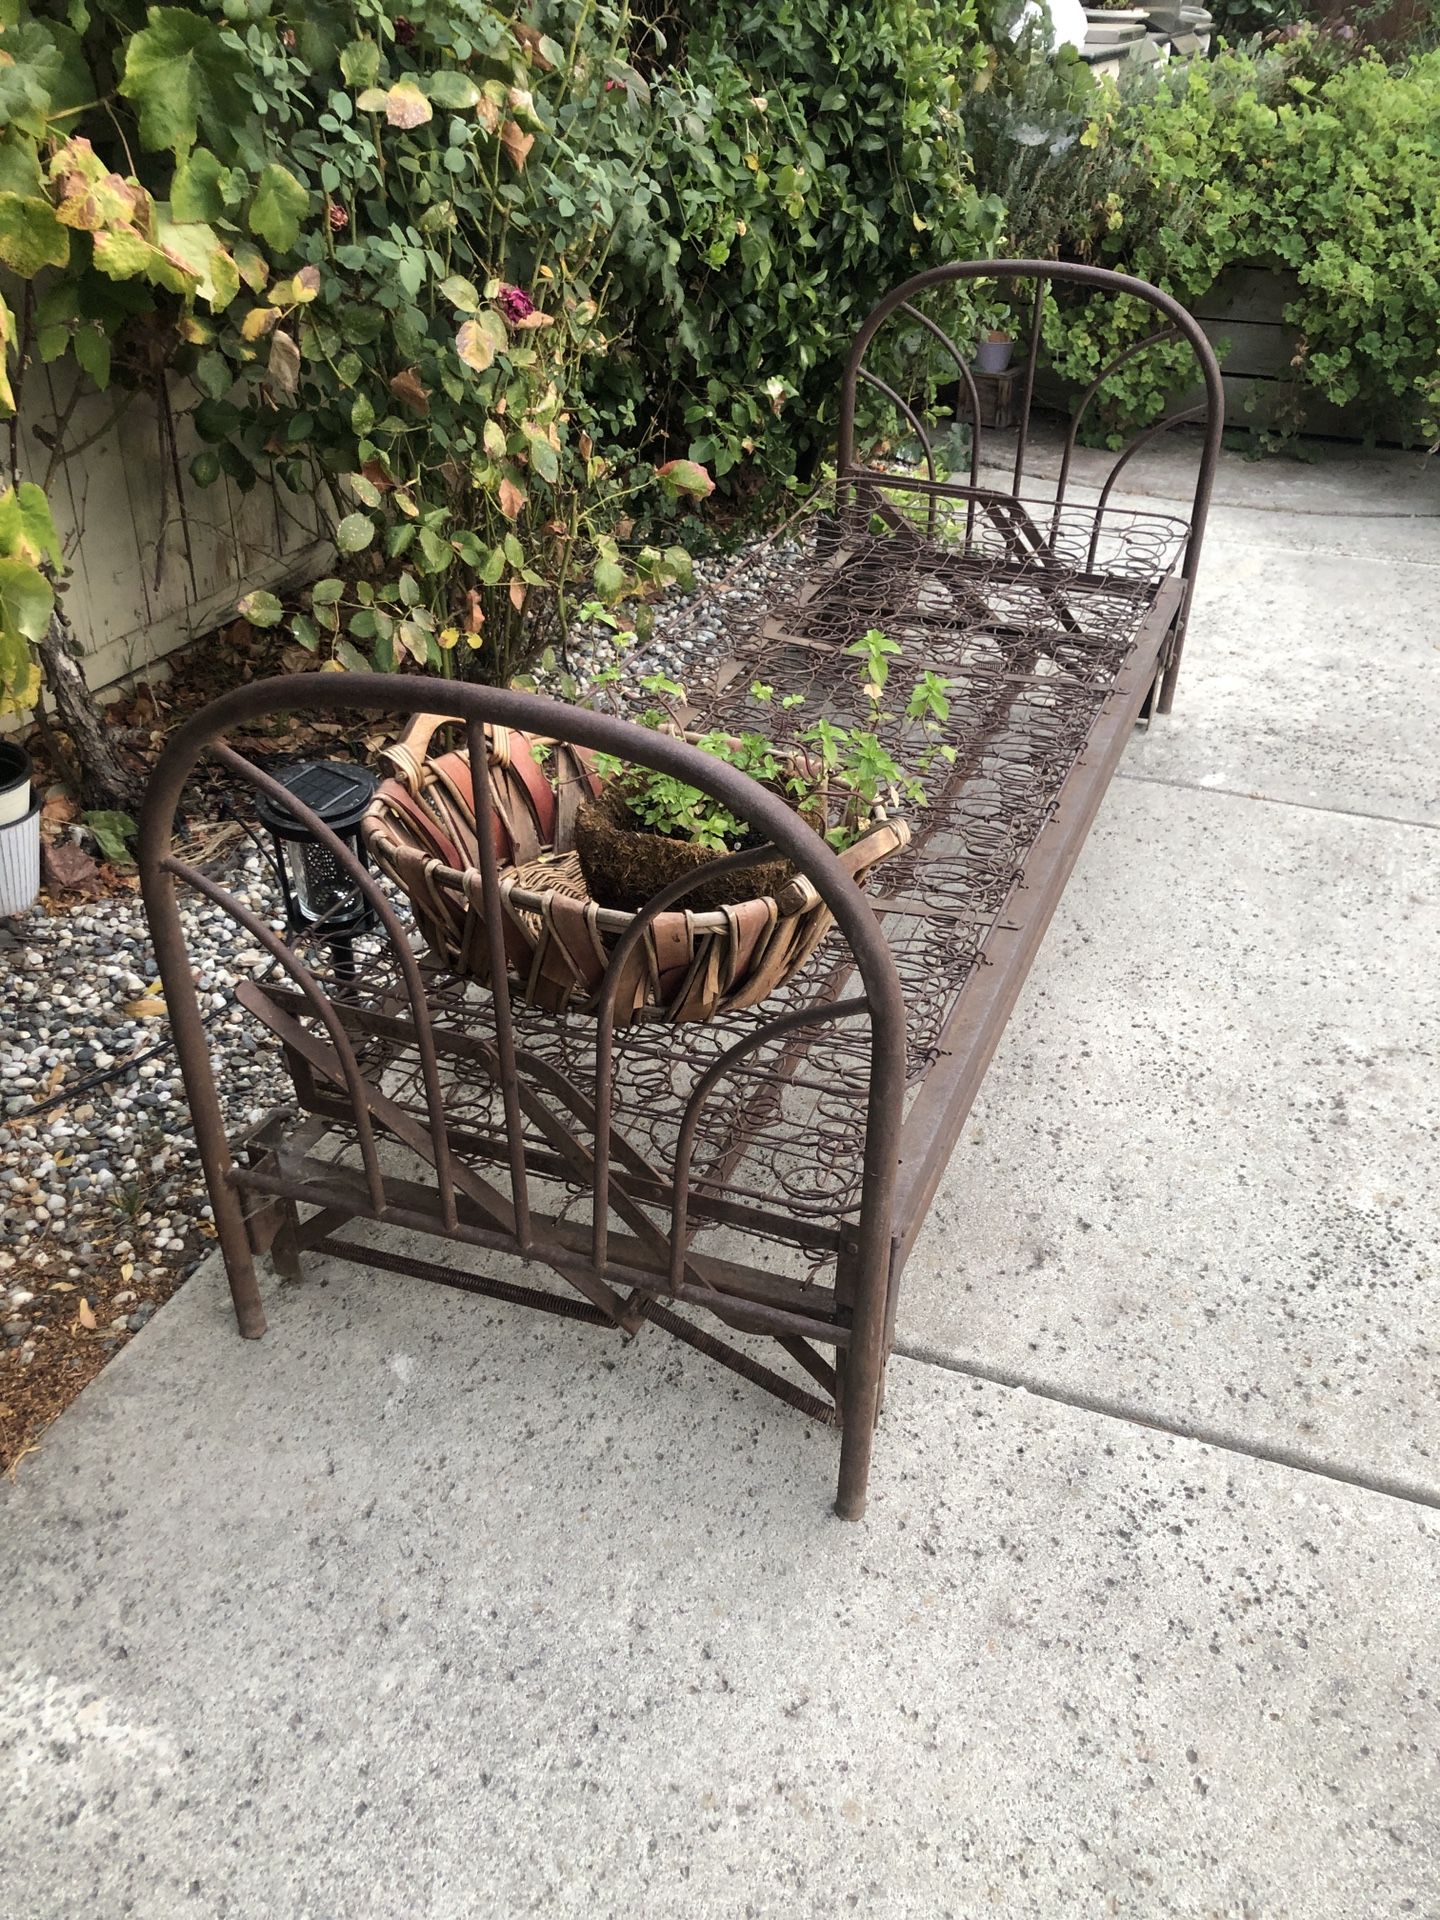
<point x="836" y="777"/>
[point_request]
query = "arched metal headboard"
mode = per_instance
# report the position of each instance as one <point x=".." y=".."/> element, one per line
<point x="1175" y="325"/>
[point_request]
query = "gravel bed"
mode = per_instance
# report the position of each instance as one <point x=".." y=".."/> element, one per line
<point x="102" y="1207"/>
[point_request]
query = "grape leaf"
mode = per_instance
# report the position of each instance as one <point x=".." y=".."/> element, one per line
<point x="30" y="236"/>
<point x="26" y="599"/>
<point x="179" y="70"/>
<point x="280" y="204"/>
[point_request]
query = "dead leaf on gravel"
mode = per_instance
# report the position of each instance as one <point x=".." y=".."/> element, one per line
<point x="57" y="813"/>
<point x="151" y="1007"/>
<point x="86" y="1314"/>
<point x="67" y="866"/>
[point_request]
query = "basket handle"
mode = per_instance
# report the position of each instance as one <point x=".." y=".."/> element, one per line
<point x="406" y="756"/>
<point x="883" y="839"/>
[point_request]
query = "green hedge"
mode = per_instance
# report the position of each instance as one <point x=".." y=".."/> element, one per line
<point x="810" y="157"/>
<point x="1276" y="159"/>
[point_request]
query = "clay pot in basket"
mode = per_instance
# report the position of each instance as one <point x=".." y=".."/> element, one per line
<point x="625" y="863"/>
<point x="694" y="962"/>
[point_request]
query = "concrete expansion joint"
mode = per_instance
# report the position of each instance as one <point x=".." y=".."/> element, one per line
<point x="1279" y="800"/>
<point x="1389" y="1486"/>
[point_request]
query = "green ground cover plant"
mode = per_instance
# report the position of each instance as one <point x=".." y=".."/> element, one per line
<point x="1310" y="155"/>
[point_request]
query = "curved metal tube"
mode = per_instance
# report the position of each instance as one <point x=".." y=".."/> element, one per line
<point x="404" y="954"/>
<point x="1071" y="273"/>
<point x="1122" y="359"/>
<point x="904" y="407"/>
<point x="1140" y="440"/>
<point x="483" y="803"/>
<point x="972" y="392"/>
<point x="292" y="964"/>
<point x="713" y="1074"/>
<point x="1032" y="360"/>
<point x="667" y="897"/>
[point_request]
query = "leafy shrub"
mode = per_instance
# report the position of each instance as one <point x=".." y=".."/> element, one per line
<point x="91" y="252"/>
<point x="810" y="158"/>
<point x="417" y="351"/>
<point x="376" y="245"/>
<point x="489" y="290"/>
<point x="1248" y="160"/>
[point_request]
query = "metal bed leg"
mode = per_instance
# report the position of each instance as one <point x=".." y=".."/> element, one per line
<point x="285" y="1247"/>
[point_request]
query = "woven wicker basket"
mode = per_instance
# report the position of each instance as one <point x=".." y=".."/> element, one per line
<point x="690" y="966"/>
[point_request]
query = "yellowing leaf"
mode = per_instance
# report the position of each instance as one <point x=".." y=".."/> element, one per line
<point x="298" y="291"/>
<point x="406" y="106"/>
<point x="90" y="196"/>
<point x="30" y="235"/>
<point x="686" y="476"/>
<point x="125" y="254"/>
<point x="148" y="1008"/>
<point x="26" y="599"/>
<point x="413" y="638"/>
<point x="252" y="265"/>
<point x="258" y="322"/>
<point x="479" y="340"/>
<point x="197" y="248"/>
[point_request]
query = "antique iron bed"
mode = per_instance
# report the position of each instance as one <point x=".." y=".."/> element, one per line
<point x="770" y="1169"/>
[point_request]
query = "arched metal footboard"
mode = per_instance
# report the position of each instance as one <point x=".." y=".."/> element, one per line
<point x="655" y="1125"/>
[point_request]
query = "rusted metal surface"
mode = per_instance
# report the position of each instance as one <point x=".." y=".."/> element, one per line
<point x="806" y="1135"/>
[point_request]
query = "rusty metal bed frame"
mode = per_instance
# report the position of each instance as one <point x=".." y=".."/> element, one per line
<point x="770" y="1170"/>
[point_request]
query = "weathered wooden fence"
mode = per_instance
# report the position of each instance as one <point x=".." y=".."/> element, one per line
<point x="155" y="560"/>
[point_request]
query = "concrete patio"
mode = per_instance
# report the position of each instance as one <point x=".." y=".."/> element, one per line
<point x="421" y="1608"/>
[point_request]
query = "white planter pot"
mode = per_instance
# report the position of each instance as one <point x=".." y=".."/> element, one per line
<point x="20" y="861"/>
<point x="14" y="782"/>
